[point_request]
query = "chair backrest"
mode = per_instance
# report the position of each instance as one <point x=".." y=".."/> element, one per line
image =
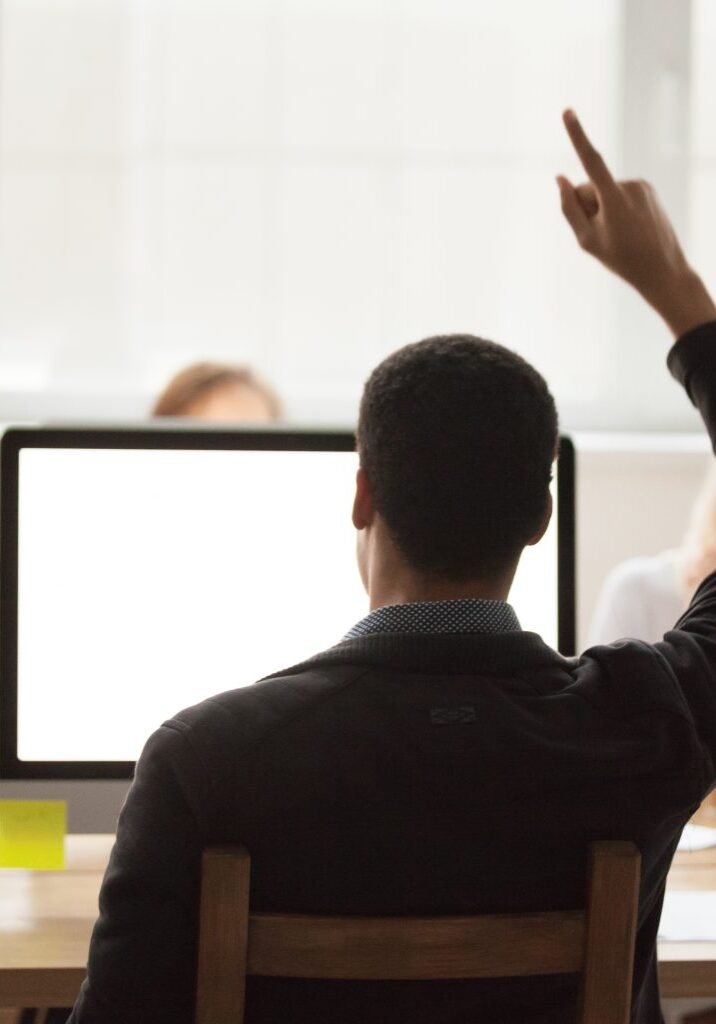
<point x="597" y="941"/>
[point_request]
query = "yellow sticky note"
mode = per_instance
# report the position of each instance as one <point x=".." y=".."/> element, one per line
<point x="32" y="834"/>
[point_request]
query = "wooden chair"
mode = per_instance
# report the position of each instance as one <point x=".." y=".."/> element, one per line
<point x="598" y="941"/>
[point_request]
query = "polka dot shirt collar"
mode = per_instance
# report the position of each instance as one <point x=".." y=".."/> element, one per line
<point x="466" y="615"/>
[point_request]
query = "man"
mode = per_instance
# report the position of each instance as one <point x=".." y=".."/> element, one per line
<point x="439" y="759"/>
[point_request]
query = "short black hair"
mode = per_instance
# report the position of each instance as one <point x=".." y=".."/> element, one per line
<point x="457" y="436"/>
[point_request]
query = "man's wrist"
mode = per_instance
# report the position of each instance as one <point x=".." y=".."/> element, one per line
<point x="683" y="302"/>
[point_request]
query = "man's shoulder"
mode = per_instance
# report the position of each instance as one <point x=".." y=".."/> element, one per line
<point x="249" y="714"/>
<point x="630" y="676"/>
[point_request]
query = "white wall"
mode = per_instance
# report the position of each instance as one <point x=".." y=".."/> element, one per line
<point x="307" y="184"/>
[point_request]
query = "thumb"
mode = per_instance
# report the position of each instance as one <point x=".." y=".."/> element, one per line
<point x="573" y="210"/>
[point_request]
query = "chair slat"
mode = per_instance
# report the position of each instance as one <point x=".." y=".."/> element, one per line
<point x="411" y="948"/>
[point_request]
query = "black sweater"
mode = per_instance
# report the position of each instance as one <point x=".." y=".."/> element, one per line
<point x="350" y="800"/>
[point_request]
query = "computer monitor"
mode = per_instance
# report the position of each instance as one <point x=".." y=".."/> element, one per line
<point x="144" y="570"/>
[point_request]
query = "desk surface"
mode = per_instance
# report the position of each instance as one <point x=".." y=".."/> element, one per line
<point x="46" y="919"/>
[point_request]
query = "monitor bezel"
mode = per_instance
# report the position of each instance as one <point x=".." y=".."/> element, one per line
<point x="190" y="438"/>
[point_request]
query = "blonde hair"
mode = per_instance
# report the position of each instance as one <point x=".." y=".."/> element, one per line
<point x="197" y="381"/>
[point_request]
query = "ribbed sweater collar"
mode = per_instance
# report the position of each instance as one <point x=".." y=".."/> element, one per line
<point x="499" y="653"/>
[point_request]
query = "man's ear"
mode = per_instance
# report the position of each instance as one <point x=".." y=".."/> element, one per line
<point x="545" y="522"/>
<point x="363" y="511"/>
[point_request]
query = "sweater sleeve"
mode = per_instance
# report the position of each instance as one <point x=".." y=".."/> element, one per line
<point x="692" y="361"/>
<point x="688" y="651"/>
<point x="142" y="957"/>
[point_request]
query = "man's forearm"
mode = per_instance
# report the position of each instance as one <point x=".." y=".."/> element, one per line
<point x="683" y="301"/>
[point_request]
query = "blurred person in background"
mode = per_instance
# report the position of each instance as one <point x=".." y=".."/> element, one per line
<point x="218" y="392"/>
<point x="642" y="598"/>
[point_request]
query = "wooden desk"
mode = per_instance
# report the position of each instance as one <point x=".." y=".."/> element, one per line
<point x="689" y="968"/>
<point x="46" y="919"/>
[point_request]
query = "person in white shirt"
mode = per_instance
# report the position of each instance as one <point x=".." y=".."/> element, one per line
<point x="642" y="598"/>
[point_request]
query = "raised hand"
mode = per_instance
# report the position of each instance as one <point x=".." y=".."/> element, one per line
<point x="623" y="224"/>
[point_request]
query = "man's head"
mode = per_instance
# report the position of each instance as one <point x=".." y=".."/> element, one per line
<point x="456" y="438"/>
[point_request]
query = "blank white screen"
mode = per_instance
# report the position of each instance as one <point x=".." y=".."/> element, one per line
<point x="149" y="580"/>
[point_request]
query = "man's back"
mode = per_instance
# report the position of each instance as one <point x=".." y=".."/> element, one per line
<point x="403" y="774"/>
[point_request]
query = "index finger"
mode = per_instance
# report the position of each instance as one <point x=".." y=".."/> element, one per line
<point x="592" y="162"/>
